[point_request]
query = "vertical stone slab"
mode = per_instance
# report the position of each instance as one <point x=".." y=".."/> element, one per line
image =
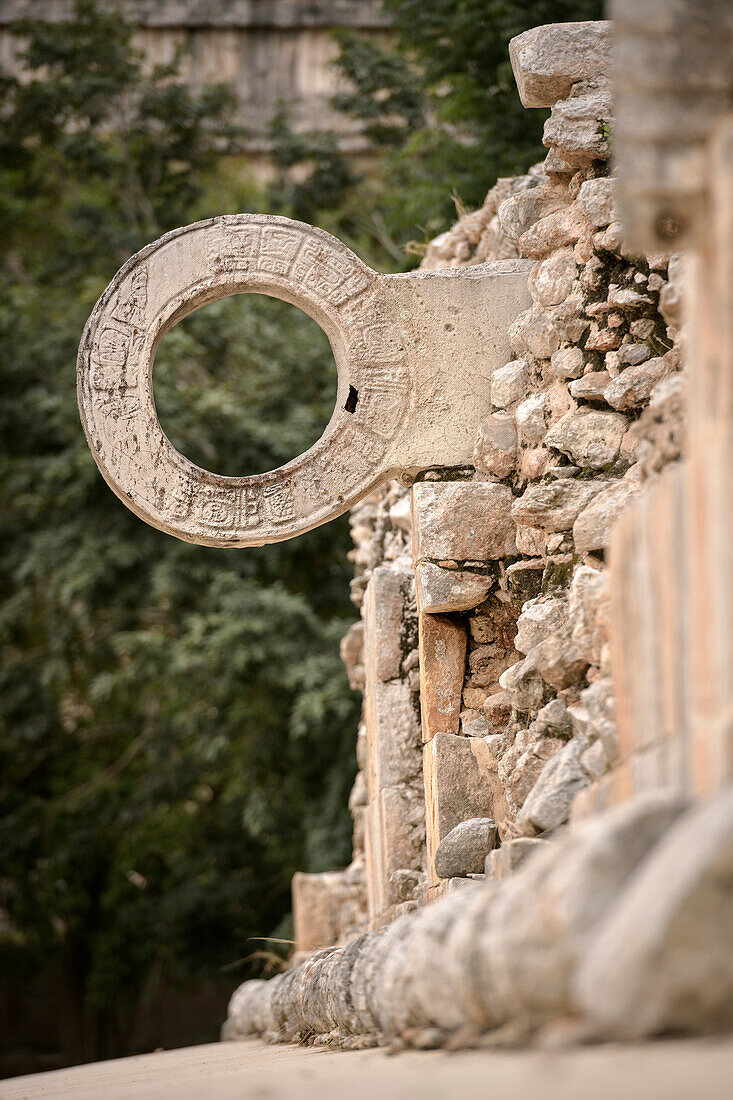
<point x="384" y="623"/>
<point x="442" y="669"/>
<point x="456" y="789"/>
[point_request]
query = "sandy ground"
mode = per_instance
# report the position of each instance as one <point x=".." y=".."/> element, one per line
<point x="233" y="1071"/>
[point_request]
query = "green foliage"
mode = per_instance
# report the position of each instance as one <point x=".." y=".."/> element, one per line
<point x="176" y="731"/>
<point x="441" y="101"/>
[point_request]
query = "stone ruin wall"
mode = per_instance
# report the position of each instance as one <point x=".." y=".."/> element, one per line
<point x="483" y="646"/>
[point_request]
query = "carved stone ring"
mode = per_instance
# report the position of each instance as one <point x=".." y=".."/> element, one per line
<point x="414" y="355"/>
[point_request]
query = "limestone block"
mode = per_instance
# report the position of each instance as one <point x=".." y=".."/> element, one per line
<point x="558" y="230"/>
<point x="591" y="387"/>
<point x="444" y="590"/>
<point x="495" y="452"/>
<point x="463" y="850"/>
<point x="551" y="282"/>
<point x="593" y="528"/>
<point x="462" y="521"/>
<point x="442" y="666"/>
<point x="520" y="768"/>
<point x="634" y="386"/>
<point x="402" y="830"/>
<point x="661" y="962"/>
<point x="324" y="906"/>
<point x="530" y="418"/>
<point x="456" y="789"/>
<point x="539" y="619"/>
<point x="597" y="198"/>
<point x="393" y="737"/>
<point x="587" y="603"/>
<point x="510" y="383"/>
<point x="548" y="60"/>
<point x="558" y="660"/>
<point x="384" y="614"/>
<point x="591" y="439"/>
<point x="631" y="355"/>
<point x="568" y="362"/>
<point x="523" y="685"/>
<point x="578" y="126"/>
<point x="554" y="506"/>
<point x="548" y="803"/>
<point x="519" y="212"/>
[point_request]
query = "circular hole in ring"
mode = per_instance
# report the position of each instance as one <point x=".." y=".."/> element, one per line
<point x="245" y="384"/>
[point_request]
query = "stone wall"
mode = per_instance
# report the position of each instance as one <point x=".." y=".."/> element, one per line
<point x="618" y="923"/>
<point x="267" y="50"/>
<point x="483" y="645"/>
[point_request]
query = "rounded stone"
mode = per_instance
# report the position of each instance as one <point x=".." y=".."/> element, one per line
<point x="463" y="850"/>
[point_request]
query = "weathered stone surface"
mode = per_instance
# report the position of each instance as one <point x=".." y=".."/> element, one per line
<point x="534" y="333"/>
<point x="530" y="419"/>
<point x="591" y="387"/>
<point x="555" y="506"/>
<point x="325" y="906"/>
<point x="568" y="362"/>
<point x="442" y="665"/>
<point x="590" y="438"/>
<point x="592" y="529"/>
<point x="393" y="736"/>
<point x="462" y="521"/>
<point x="495" y="452"/>
<point x="661" y="962"/>
<point x="444" y="590"/>
<point x="539" y="619"/>
<point x="456" y="789"/>
<point x="524" y="685"/>
<point x="630" y="355"/>
<point x="548" y="60"/>
<point x="463" y="850"/>
<point x="548" y="803"/>
<point x="557" y="230"/>
<point x="384" y="614"/>
<point x="503" y="861"/>
<point x="553" y="719"/>
<point x="558" y="660"/>
<point x="578" y="127"/>
<point x="522" y="765"/>
<point x="551" y="282"/>
<point x="634" y="386"/>
<point x="518" y="213"/>
<point x="351" y="651"/>
<point x="598" y="202"/>
<point x="510" y="383"/>
<point x="588" y="611"/>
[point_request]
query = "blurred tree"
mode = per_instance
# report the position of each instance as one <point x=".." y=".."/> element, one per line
<point x="176" y="731"/>
<point x="441" y="103"/>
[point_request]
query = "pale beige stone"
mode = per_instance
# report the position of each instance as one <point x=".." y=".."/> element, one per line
<point x="444" y="590"/>
<point x="548" y="60"/>
<point x="461" y="521"/>
<point x="384" y="614"/>
<point x="592" y="439"/>
<point x="442" y="666"/>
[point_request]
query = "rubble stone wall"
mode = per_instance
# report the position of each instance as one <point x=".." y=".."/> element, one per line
<point x="483" y="645"/>
<point x="590" y="896"/>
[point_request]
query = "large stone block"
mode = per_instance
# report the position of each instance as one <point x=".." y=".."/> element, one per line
<point x="384" y="620"/>
<point x="442" y="667"/>
<point x="440" y="590"/>
<point x="393" y="737"/>
<point x="462" y="521"/>
<point x="456" y="789"/>
<point x="548" y="60"/>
